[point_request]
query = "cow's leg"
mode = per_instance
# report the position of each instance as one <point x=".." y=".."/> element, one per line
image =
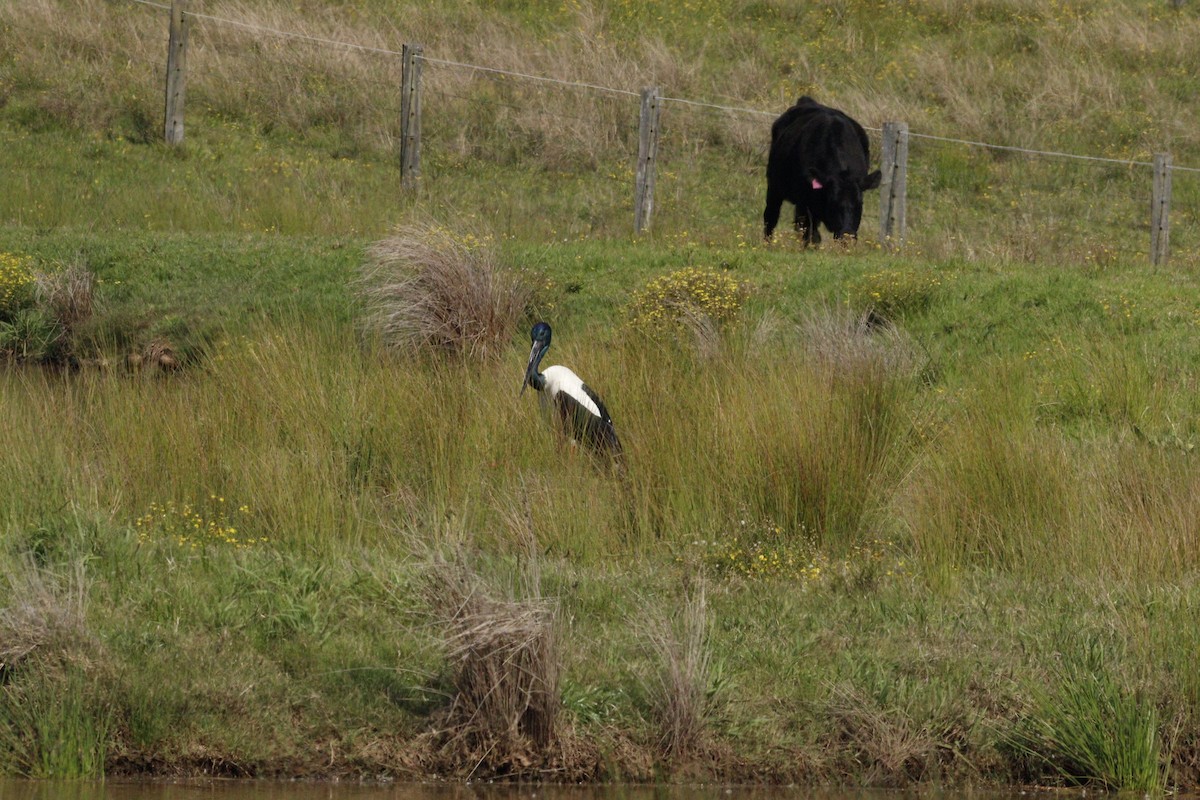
<point x="801" y="223"/>
<point x="771" y="213"/>
<point x="811" y="234"/>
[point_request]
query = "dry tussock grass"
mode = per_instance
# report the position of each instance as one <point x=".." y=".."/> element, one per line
<point x="1139" y="35"/>
<point x="564" y="128"/>
<point x="680" y="688"/>
<point x="299" y="83"/>
<point x="69" y="295"/>
<point x="45" y="612"/>
<point x="428" y="290"/>
<point x="855" y="343"/>
<point x="701" y="330"/>
<point x="239" y="69"/>
<point x="895" y="748"/>
<point x="505" y="654"/>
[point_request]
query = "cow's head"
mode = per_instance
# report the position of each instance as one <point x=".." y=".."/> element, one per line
<point x="842" y="200"/>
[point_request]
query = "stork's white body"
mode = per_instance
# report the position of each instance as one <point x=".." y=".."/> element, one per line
<point x="580" y="410"/>
<point x="562" y="380"/>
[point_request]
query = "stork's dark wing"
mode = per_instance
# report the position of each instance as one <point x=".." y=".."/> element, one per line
<point x="594" y="431"/>
<point x="595" y="398"/>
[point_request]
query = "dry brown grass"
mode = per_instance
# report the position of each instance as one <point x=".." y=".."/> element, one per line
<point x="680" y="689"/>
<point x="95" y="59"/>
<point x="69" y="295"/>
<point x="1060" y="81"/>
<point x="44" y="611"/>
<point x="105" y="63"/>
<point x="504" y="715"/>
<point x="853" y="343"/>
<point x="428" y="290"/>
<point x="898" y="746"/>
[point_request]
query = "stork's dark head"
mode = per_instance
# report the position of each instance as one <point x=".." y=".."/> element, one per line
<point x="541" y="334"/>
<point x="541" y="343"/>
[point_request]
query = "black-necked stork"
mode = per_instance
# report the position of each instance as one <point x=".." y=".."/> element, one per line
<point x="582" y="412"/>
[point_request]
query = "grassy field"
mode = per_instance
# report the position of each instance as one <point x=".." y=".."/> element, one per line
<point x="926" y="517"/>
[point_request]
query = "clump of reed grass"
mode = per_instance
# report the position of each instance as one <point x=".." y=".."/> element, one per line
<point x="45" y="612"/>
<point x="1091" y="729"/>
<point x="427" y="289"/>
<point x="505" y="657"/>
<point x="53" y="728"/>
<point x="69" y="294"/>
<point x="989" y="491"/>
<point x="51" y="725"/>
<point x="30" y="335"/>
<point x="852" y="342"/>
<point x="681" y="696"/>
<point x="825" y="461"/>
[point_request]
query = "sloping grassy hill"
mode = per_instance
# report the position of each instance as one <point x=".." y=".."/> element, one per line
<point x="910" y="517"/>
<point x="300" y="135"/>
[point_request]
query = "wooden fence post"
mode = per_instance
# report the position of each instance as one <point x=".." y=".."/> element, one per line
<point x="410" y="115"/>
<point x="643" y="202"/>
<point x="893" y="187"/>
<point x="176" y="71"/>
<point x="1160" y="208"/>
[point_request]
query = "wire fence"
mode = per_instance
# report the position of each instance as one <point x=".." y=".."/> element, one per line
<point x="626" y="92"/>
<point x="581" y="127"/>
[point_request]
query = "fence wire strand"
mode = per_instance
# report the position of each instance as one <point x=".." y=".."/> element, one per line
<point x="539" y="78"/>
<point x="1028" y="151"/>
<point x="626" y="92"/>
<point x="684" y="101"/>
<point x="497" y="103"/>
<point x="276" y="32"/>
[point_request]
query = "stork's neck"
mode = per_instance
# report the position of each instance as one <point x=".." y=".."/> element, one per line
<point x="533" y="372"/>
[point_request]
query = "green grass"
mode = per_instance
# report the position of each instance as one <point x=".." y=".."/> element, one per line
<point x="1095" y="729"/>
<point x="348" y="485"/>
<point x="51" y="729"/>
<point x="919" y="545"/>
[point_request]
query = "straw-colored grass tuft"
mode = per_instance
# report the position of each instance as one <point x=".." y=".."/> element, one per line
<point x="69" y="295"/>
<point x="897" y="735"/>
<point x="44" y="612"/>
<point x="681" y="696"/>
<point x="428" y="290"/>
<point x="505" y="658"/>
<point x="855" y="342"/>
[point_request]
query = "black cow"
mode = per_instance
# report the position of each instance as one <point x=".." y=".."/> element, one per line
<point x="819" y="161"/>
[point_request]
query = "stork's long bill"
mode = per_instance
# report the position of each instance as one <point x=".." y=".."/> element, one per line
<point x="580" y="411"/>
<point x="531" y="369"/>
